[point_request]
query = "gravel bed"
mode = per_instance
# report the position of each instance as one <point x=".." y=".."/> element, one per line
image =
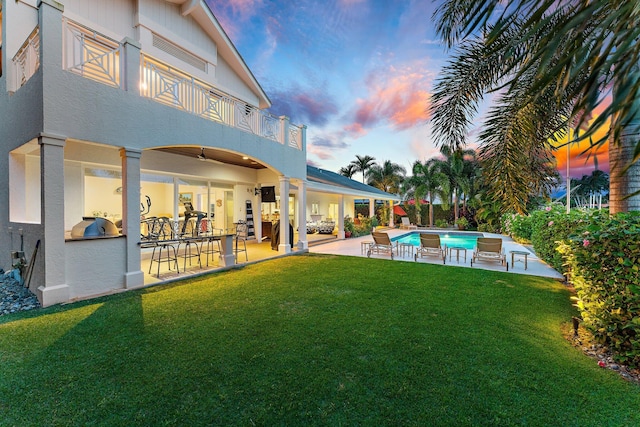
<point x="14" y="297"/>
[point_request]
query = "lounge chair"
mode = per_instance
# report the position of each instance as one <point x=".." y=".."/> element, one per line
<point x="382" y="244"/>
<point x="489" y="249"/>
<point x="430" y="246"/>
<point x="406" y="224"/>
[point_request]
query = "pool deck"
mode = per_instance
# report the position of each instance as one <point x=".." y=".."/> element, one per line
<point x="535" y="266"/>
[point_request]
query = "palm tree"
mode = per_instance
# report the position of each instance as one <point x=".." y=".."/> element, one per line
<point x="428" y="181"/>
<point x="387" y="177"/>
<point x="553" y="61"/>
<point x="363" y="164"/>
<point x="457" y="166"/>
<point x="348" y="170"/>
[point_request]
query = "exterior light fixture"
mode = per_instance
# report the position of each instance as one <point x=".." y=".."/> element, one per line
<point x="201" y="156"/>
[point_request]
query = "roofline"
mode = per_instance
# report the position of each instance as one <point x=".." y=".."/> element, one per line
<point x="225" y="45"/>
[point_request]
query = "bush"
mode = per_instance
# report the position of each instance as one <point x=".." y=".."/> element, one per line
<point x="517" y="226"/>
<point x="604" y="258"/>
<point x="552" y="225"/>
<point x="365" y="226"/>
<point x="441" y="223"/>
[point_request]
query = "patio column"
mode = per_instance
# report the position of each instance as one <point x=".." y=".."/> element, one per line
<point x="284" y="215"/>
<point x="54" y="290"/>
<point x="133" y="276"/>
<point x="340" y="217"/>
<point x="372" y="208"/>
<point x="131" y="78"/>
<point x="303" y="244"/>
<point x="390" y="213"/>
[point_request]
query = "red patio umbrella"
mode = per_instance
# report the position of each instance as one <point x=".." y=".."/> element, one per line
<point x="397" y="209"/>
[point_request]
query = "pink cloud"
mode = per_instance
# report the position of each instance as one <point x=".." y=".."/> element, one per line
<point x="396" y="96"/>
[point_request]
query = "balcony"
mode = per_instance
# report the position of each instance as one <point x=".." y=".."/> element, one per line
<point x="94" y="56"/>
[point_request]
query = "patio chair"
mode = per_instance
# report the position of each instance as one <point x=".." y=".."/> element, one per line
<point x="489" y="249"/>
<point x="382" y="244"/>
<point x="406" y="224"/>
<point x="430" y="246"/>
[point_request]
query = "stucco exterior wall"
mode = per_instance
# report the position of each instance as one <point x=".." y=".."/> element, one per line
<point x="88" y="260"/>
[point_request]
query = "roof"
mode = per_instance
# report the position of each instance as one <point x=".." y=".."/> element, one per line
<point x="344" y="185"/>
<point x="203" y="14"/>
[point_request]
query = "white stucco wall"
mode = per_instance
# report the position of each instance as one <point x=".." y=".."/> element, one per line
<point x="95" y="266"/>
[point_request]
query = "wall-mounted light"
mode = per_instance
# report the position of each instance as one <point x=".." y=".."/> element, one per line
<point x="201" y="156"/>
<point x="256" y="191"/>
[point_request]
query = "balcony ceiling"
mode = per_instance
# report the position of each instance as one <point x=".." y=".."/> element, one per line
<point x="214" y="155"/>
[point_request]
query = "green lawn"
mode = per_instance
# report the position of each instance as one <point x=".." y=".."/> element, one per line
<point x="312" y="340"/>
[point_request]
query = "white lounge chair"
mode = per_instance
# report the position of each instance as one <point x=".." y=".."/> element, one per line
<point x="489" y="249"/>
<point x="406" y="224"/>
<point x="430" y="246"/>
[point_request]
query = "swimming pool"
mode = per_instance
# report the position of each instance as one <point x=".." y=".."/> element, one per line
<point x="462" y="240"/>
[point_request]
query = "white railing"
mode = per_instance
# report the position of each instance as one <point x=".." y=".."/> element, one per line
<point x="97" y="57"/>
<point x="27" y="60"/>
<point x="171" y="87"/>
<point x="92" y="55"/>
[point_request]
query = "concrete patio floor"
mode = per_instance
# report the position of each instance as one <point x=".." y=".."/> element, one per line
<point x="327" y="244"/>
<point x="535" y="266"/>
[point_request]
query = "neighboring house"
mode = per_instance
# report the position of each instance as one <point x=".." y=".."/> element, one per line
<point x="105" y="104"/>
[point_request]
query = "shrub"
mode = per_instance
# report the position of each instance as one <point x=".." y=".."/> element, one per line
<point x="517" y="226"/>
<point x="604" y="258"/>
<point x="552" y="225"/>
<point x="441" y="223"/>
<point x="365" y="226"/>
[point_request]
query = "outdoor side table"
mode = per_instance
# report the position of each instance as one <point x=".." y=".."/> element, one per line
<point x="457" y="249"/>
<point x="523" y="253"/>
<point x="365" y="246"/>
<point x="406" y="248"/>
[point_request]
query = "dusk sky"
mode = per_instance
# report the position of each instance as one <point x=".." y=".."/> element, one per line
<point x="358" y="73"/>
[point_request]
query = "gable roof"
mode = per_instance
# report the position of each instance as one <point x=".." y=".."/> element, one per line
<point x="203" y="15"/>
<point x="324" y="180"/>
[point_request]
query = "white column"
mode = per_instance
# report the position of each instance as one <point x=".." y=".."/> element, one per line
<point x="130" y="80"/>
<point x="340" y="217"/>
<point x="372" y="208"/>
<point x="284" y="215"/>
<point x="303" y="244"/>
<point x="133" y="276"/>
<point x="54" y="290"/>
<point x="390" y="213"/>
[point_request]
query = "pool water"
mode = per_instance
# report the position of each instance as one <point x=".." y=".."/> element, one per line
<point x="463" y="240"/>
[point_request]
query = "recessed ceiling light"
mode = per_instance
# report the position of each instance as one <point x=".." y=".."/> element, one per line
<point x="245" y="158"/>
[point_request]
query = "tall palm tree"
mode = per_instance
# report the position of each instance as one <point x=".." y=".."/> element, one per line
<point x="427" y="180"/>
<point x="457" y="167"/>
<point x="387" y="177"/>
<point x="553" y="61"/>
<point x="363" y="164"/>
<point x="348" y="170"/>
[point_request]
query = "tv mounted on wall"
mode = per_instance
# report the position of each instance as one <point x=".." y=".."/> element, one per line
<point x="268" y="194"/>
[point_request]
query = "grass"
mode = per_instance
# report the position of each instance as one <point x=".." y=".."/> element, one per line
<point x="311" y="340"/>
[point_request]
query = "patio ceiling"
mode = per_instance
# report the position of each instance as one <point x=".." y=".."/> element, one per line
<point x="215" y="155"/>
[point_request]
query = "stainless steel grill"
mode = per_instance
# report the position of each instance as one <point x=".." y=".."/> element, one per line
<point x="94" y="227"/>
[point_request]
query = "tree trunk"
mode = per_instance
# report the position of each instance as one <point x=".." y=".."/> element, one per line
<point x="621" y="183"/>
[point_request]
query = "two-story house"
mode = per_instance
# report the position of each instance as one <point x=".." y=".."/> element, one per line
<point x="130" y="109"/>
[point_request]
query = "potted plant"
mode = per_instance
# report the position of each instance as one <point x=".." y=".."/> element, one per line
<point x="349" y="226"/>
<point x="462" y="223"/>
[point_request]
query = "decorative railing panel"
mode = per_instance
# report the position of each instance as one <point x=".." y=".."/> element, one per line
<point x="172" y="87"/>
<point x="92" y="55"/>
<point x="97" y="57"/>
<point x="27" y="60"/>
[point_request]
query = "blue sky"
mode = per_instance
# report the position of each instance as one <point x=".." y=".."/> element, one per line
<point x="358" y="73"/>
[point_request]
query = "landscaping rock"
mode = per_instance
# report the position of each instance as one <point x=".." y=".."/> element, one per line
<point x="14" y="297"/>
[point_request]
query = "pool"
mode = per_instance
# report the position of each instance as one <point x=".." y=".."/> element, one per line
<point x="463" y="240"/>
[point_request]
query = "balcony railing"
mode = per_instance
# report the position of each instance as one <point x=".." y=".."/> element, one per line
<point x="100" y="58"/>
<point x="92" y="55"/>
<point x="27" y="59"/>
